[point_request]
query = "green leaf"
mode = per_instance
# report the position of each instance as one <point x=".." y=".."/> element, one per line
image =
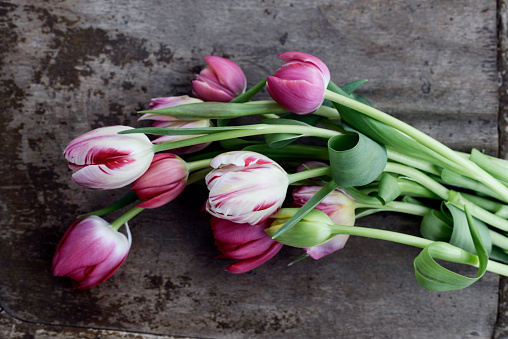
<point x="348" y="154"/>
<point x="291" y="152"/>
<point x="307" y="207"/>
<point x="433" y="276"/>
<point x="219" y="110"/>
<point x="309" y="119"/>
<point x="353" y="86"/>
<point x="461" y="235"/>
<point x="278" y="140"/>
<point x="434" y="226"/>
<point x="244" y="97"/>
<point x="498" y="168"/>
<point x="187" y="131"/>
<point x="386" y="135"/>
<point x="452" y="178"/>
<point x="389" y="188"/>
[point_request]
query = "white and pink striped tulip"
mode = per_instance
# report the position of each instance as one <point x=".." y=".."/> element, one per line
<point x="164" y="180"/>
<point x="104" y="159"/>
<point x="299" y="85"/>
<point x="245" y="187"/>
<point x="90" y="252"/>
<point x="221" y="81"/>
<point x="339" y="207"/>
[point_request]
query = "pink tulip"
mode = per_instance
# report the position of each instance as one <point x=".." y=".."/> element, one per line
<point x="171" y="122"/>
<point x="339" y="207"/>
<point x="90" y="252"/>
<point x="247" y="243"/>
<point x="245" y="187"/>
<point x="103" y="159"/>
<point x="221" y="81"/>
<point x="160" y="103"/>
<point x="164" y="180"/>
<point x="299" y="85"/>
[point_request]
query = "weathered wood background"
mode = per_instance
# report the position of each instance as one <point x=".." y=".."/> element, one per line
<point x="70" y="66"/>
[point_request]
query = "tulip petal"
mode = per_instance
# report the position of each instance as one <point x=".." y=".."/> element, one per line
<point x="249" y="264"/>
<point x="297" y="96"/>
<point x="208" y="92"/>
<point x="288" y="56"/>
<point x="229" y="74"/>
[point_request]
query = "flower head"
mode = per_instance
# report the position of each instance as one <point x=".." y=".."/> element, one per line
<point x="90" y="252"/>
<point x="339" y="207"/>
<point x="221" y="81"/>
<point x="247" y="243"/>
<point x="171" y="122"/>
<point x="312" y="230"/>
<point x="164" y="180"/>
<point x="104" y="159"/>
<point x="299" y="85"/>
<point x="245" y="187"/>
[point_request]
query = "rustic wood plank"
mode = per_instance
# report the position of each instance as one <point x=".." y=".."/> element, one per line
<point x="70" y="66"/>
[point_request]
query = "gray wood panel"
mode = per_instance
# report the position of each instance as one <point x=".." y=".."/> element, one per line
<point x="69" y="66"/>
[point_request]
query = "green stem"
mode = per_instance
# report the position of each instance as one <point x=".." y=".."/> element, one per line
<point x="394" y="206"/>
<point x="244" y="97"/>
<point x="420" y="178"/>
<point x="245" y="131"/>
<point x="470" y="169"/>
<point x="127" y="199"/>
<point x="196" y="176"/>
<point x="452" y="253"/>
<point x="198" y="164"/>
<point x="310" y="173"/>
<point x="131" y="213"/>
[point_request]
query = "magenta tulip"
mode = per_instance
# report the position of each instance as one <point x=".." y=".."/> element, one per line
<point x="339" y="207"/>
<point x="247" y="243"/>
<point x="164" y="180"/>
<point x="103" y="159"/>
<point x="221" y="81"/>
<point x="299" y="85"/>
<point x="90" y="252"/>
<point x="245" y="187"/>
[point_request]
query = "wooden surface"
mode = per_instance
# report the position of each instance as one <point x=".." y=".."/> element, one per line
<point x="70" y="66"/>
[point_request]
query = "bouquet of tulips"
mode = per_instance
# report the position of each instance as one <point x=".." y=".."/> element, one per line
<point x="361" y="161"/>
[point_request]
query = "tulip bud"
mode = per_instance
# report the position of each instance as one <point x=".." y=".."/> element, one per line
<point x="221" y="81"/>
<point x="339" y="207"/>
<point x="247" y="243"/>
<point x="299" y="85"/>
<point x="104" y="159"/>
<point x="160" y="103"/>
<point x="245" y="187"/>
<point x="164" y="180"/>
<point x="90" y="252"/>
<point x="171" y="122"/>
<point x="312" y="230"/>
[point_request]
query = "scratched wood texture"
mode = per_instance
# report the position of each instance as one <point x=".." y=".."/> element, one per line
<point x="70" y="66"/>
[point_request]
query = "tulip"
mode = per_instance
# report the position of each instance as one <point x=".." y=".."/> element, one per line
<point x="299" y="85"/>
<point x="221" y="81"/>
<point x="160" y="103"/>
<point x="164" y="180"/>
<point x="103" y="159"/>
<point x="247" y="243"/>
<point x="168" y="121"/>
<point x="90" y="252"/>
<point x="312" y="230"/>
<point x="339" y="207"/>
<point x="245" y="187"/>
